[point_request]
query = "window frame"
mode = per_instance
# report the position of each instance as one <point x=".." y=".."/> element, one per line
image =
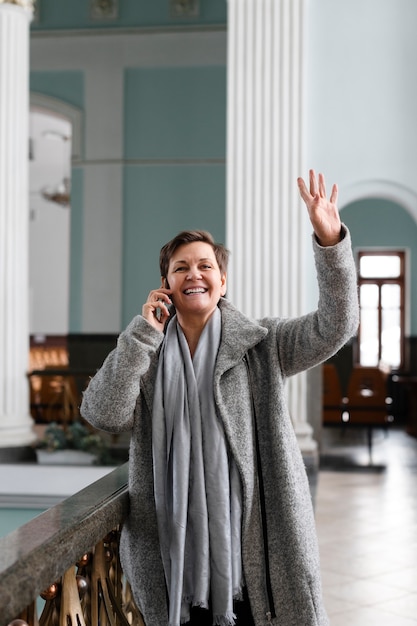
<point x="380" y="281"/>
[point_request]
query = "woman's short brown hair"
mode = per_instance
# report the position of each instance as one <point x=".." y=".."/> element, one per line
<point x="189" y="236"/>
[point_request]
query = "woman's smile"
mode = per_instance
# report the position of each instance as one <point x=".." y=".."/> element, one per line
<point x="192" y="291"/>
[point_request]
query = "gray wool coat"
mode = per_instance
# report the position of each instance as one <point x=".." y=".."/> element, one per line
<point x="279" y="544"/>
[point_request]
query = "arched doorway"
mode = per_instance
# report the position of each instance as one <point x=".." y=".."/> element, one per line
<point x="49" y="222"/>
<point x="55" y="140"/>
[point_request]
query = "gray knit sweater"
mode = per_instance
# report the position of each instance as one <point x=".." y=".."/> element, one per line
<point x="253" y="362"/>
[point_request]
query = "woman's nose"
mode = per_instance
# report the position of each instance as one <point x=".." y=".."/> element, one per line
<point x="193" y="274"/>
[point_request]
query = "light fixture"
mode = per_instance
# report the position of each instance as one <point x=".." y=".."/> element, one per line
<point x="184" y="8"/>
<point x="60" y="194"/>
<point x="104" y="9"/>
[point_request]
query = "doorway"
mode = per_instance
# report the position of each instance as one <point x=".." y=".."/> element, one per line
<point x="49" y="223"/>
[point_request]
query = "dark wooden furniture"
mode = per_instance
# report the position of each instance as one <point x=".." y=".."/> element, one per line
<point x="410" y="383"/>
<point x="366" y="404"/>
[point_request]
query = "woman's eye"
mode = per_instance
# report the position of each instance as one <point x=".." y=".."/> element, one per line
<point x="207" y="266"/>
<point x="180" y="269"/>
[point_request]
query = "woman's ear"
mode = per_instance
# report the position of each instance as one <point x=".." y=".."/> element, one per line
<point x="164" y="284"/>
<point x="223" y="284"/>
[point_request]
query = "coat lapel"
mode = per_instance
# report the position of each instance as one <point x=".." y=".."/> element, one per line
<point x="231" y="385"/>
<point x="239" y="334"/>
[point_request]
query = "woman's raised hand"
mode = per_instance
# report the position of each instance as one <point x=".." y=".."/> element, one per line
<point x="323" y="212"/>
<point x="155" y="310"/>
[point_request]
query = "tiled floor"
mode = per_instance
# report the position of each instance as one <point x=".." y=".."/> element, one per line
<point x="367" y="527"/>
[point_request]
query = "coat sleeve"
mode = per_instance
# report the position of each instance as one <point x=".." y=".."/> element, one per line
<point x="110" y="399"/>
<point x="311" y="339"/>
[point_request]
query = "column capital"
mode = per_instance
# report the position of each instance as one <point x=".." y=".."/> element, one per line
<point x="25" y="4"/>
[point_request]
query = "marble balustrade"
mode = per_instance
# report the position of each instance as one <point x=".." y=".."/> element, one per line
<point x="45" y="550"/>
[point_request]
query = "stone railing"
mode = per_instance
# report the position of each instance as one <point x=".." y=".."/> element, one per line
<point x="69" y="557"/>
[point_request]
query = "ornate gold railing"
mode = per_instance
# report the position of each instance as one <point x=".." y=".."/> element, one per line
<point x="69" y="556"/>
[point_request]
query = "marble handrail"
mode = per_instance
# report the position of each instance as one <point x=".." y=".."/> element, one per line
<point x="38" y="553"/>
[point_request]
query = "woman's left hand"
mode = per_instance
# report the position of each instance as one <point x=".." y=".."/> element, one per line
<point x="323" y="212"/>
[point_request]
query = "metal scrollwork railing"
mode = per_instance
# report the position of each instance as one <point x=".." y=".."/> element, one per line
<point x="62" y="557"/>
<point x="91" y="592"/>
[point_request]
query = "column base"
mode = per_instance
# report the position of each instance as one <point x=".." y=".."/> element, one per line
<point x="16" y="432"/>
<point x="304" y="434"/>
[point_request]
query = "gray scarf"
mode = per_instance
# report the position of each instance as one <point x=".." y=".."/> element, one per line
<point x="197" y="486"/>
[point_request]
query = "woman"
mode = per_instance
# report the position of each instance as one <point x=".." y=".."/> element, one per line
<point x="221" y="527"/>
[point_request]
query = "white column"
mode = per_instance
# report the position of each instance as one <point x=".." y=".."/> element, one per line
<point x="15" y="420"/>
<point x="265" y="217"/>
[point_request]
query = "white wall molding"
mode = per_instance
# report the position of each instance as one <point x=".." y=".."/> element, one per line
<point x="384" y="189"/>
<point x="121" y="32"/>
<point x="145" y="49"/>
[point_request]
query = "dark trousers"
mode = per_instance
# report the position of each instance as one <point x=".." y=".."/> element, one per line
<point x="204" y="617"/>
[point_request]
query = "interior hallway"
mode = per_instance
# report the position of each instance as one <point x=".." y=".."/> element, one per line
<point x="367" y="527"/>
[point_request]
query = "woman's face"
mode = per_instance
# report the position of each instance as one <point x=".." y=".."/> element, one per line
<point x="195" y="280"/>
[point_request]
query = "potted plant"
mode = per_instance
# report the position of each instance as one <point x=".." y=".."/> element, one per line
<point x="72" y="444"/>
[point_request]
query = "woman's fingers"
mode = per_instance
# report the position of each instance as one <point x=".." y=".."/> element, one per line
<point x="155" y="310"/>
<point x="334" y="194"/>
<point x="322" y="186"/>
<point x="317" y="188"/>
<point x="158" y="295"/>
<point x="313" y="183"/>
<point x="304" y="193"/>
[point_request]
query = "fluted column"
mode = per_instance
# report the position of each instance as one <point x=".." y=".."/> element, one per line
<point x="15" y="420"/>
<point x="265" y="218"/>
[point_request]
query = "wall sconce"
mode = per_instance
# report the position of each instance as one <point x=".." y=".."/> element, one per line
<point x="61" y="194"/>
<point x="104" y="9"/>
<point x="185" y="8"/>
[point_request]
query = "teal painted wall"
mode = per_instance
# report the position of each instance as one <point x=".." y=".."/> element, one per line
<point x="176" y="115"/>
<point x="382" y="223"/>
<point x="159" y="202"/>
<point x="62" y="14"/>
<point x="65" y="85"/>
<point x="175" y="112"/>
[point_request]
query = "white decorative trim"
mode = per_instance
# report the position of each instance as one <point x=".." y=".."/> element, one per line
<point x="185" y="8"/>
<point x="124" y="31"/>
<point x="63" y="109"/>
<point x="385" y="189"/>
<point x="104" y="9"/>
